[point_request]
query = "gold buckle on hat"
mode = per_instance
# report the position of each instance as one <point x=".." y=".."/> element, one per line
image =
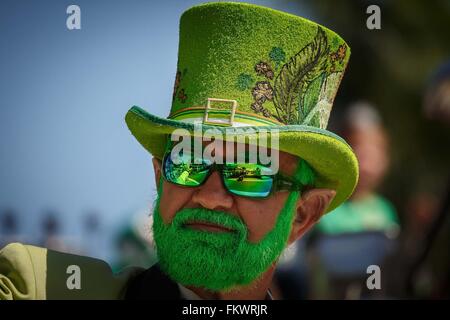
<point x="220" y="122"/>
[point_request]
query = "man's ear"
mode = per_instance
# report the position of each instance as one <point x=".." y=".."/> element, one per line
<point x="157" y="168"/>
<point x="310" y="207"/>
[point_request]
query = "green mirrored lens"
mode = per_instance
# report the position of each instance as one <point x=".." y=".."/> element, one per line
<point x="249" y="180"/>
<point x="183" y="171"/>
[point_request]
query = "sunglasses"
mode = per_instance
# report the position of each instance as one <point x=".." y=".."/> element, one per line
<point x="251" y="180"/>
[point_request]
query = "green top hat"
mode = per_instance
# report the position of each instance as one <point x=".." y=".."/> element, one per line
<point x="246" y="65"/>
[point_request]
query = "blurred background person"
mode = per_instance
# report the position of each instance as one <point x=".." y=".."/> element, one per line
<point x="357" y="234"/>
<point x="360" y="232"/>
<point x="367" y="210"/>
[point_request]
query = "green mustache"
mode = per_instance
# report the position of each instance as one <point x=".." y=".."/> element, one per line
<point x="213" y="240"/>
<point x="220" y="218"/>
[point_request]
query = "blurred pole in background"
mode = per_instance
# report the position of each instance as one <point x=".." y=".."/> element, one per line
<point x="51" y="231"/>
<point x="93" y="235"/>
<point x="9" y="226"/>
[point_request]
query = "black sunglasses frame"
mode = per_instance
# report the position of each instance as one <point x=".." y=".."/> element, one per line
<point x="280" y="182"/>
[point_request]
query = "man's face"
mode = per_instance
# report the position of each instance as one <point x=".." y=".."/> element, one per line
<point x="259" y="215"/>
<point x="207" y="237"/>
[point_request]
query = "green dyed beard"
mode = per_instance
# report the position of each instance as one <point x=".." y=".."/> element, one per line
<point x="218" y="261"/>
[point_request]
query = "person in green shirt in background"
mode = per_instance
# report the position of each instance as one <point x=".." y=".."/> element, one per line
<point x="363" y="230"/>
<point x="366" y="210"/>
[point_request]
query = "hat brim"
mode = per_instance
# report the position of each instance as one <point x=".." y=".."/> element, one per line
<point x="332" y="159"/>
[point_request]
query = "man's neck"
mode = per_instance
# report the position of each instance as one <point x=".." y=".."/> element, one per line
<point x="256" y="290"/>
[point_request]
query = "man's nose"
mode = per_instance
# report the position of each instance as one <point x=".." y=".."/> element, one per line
<point x="213" y="195"/>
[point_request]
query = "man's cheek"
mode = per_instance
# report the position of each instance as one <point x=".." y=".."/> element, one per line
<point x="260" y="217"/>
<point x="167" y="211"/>
<point x="172" y="200"/>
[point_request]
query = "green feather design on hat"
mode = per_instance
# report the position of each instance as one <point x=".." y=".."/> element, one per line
<point x="291" y="85"/>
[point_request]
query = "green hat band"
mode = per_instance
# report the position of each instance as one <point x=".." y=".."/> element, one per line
<point x="222" y="117"/>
